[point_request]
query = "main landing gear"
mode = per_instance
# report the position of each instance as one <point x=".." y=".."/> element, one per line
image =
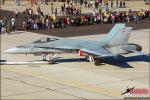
<point x="51" y="58"/>
<point x="98" y="62"/>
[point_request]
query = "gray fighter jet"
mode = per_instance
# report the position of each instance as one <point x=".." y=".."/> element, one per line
<point x="114" y="44"/>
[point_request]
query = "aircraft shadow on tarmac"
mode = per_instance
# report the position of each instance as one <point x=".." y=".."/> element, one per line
<point x="70" y="60"/>
<point x="120" y="61"/>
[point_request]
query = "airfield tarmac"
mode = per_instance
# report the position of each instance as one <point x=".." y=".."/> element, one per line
<point x="72" y="77"/>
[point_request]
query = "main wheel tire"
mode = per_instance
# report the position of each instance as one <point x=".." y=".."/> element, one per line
<point x="97" y="62"/>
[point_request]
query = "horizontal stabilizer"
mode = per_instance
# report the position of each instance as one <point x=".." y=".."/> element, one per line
<point x="135" y="51"/>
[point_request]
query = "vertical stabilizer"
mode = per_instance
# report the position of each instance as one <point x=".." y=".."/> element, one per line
<point x="118" y="35"/>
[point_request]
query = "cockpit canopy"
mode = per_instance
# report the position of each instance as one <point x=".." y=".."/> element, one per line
<point x="44" y="40"/>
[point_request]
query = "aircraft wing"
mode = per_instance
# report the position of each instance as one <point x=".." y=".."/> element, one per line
<point x="98" y="51"/>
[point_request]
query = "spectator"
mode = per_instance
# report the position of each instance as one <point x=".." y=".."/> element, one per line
<point x="136" y="18"/>
<point x="13" y="24"/>
<point x="90" y="4"/>
<point x="85" y="2"/>
<point x="46" y="2"/>
<point x="31" y="2"/>
<point x="120" y="4"/>
<point x="68" y="1"/>
<point x="100" y="3"/>
<point x="18" y="2"/>
<point x="94" y="13"/>
<point x="47" y="23"/>
<point x="30" y="10"/>
<point x="24" y="25"/>
<point x="113" y="18"/>
<point x="56" y="11"/>
<point x="36" y="25"/>
<point x="9" y="27"/>
<point x="96" y="4"/>
<point x="107" y="6"/>
<point x="111" y="3"/>
<point x="3" y="27"/>
<point x="117" y="3"/>
<point x="3" y="2"/>
<point x="124" y="4"/>
<point x="127" y="17"/>
<point x="0" y="26"/>
<point x="16" y="13"/>
<point x="5" y="23"/>
<point x="35" y="2"/>
<point x="80" y="10"/>
<point x="68" y="20"/>
<point x="81" y="2"/>
<point x="62" y="9"/>
<point x="52" y="8"/>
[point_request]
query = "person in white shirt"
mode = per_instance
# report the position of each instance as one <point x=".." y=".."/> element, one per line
<point x="16" y="13"/>
<point x="94" y="13"/>
<point x="13" y="24"/>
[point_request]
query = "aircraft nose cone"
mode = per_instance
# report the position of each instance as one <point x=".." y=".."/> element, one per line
<point x="11" y="50"/>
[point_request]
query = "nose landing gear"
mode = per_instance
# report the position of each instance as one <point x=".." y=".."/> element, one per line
<point x="48" y="57"/>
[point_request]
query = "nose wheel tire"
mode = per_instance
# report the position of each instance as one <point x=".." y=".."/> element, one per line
<point x="50" y="62"/>
<point x="44" y="60"/>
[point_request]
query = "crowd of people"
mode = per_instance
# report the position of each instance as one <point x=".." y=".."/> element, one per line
<point x="38" y="21"/>
<point x="70" y="16"/>
<point x="41" y="21"/>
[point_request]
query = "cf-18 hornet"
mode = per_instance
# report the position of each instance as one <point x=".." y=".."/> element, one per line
<point x="115" y="43"/>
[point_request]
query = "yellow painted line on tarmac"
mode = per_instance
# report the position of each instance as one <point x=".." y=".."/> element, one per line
<point x="81" y="85"/>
